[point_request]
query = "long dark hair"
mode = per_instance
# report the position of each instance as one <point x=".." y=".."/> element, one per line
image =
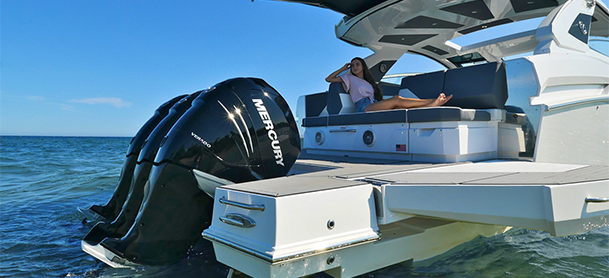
<point x="378" y="95"/>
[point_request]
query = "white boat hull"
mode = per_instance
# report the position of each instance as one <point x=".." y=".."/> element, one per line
<point x="353" y="261"/>
<point x="557" y="198"/>
<point x="282" y="227"/>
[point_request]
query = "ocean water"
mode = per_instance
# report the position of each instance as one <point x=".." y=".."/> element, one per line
<point x="44" y="179"/>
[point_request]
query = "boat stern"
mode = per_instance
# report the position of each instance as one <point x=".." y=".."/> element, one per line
<point x="274" y="233"/>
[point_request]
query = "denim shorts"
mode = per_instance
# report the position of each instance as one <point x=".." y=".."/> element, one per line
<point x="361" y="104"/>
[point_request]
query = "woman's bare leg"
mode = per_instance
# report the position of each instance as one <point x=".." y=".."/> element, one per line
<point x="398" y="102"/>
<point x="441" y="100"/>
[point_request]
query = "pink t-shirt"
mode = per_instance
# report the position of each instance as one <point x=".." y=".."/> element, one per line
<point x="358" y="88"/>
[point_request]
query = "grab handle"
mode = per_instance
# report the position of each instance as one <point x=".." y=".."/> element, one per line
<point x="238" y="220"/>
<point x="597" y="200"/>
<point x="241" y="205"/>
<point x="343" y="130"/>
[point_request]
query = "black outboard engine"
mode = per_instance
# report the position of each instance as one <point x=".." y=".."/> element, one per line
<point x="121" y="225"/>
<point x="239" y="130"/>
<point x="110" y="210"/>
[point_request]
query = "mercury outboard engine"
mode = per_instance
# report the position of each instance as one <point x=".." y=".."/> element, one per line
<point x="121" y="225"/>
<point x="110" y="210"/>
<point x="239" y="130"/>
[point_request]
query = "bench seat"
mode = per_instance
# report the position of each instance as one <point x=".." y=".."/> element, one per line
<point x="472" y="126"/>
<point x="417" y="115"/>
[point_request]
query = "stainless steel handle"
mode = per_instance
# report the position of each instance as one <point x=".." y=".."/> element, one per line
<point x="343" y="130"/>
<point x="231" y="221"/>
<point x="597" y="200"/>
<point x="241" y="205"/>
<point x="238" y="220"/>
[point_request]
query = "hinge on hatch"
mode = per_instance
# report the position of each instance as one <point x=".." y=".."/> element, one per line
<point x="377" y="182"/>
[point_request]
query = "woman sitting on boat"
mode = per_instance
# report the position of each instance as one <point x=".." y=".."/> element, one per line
<point x="367" y="95"/>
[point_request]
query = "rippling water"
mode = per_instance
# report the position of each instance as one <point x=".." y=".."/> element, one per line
<point x="44" y="179"/>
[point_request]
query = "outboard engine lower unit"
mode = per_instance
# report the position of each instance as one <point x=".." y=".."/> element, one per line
<point x="237" y="131"/>
<point x="112" y="208"/>
<point x="123" y="222"/>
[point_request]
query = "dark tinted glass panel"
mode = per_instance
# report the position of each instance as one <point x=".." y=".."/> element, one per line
<point x="467" y="58"/>
<point x="350" y="8"/>
<point x="475" y="9"/>
<point x="485" y="25"/>
<point x="529" y="5"/>
<point x="435" y="50"/>
<point x="405" y="39"/>
<point x="428" y="22"/>
<point x="580" y="28"/>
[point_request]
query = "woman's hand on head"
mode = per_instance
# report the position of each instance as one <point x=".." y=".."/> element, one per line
<point x="333" y="77"/>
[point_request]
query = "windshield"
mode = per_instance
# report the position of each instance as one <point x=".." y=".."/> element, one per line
<point x="600" y="45"/>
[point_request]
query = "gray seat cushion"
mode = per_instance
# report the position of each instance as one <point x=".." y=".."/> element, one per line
<point x="419" y="115"/>
<point x="446" y="114"/>
<point x="315" y="121"/>
<point x="365" y="118"/>
<point x="475" y="87"/>
<point x="315" y="103"/>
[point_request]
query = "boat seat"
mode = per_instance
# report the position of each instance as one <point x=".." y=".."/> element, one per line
<point x="446" y="114"/>
<point x="315" y="104"/>
<point x="339" y="101"/>
<point x="417" y="115"/>
<point x="366" y="118"/>
<point x="477" y="87"/>
<point x="473" y="88"/>
<point x="427" y="85"/>
<point x="315" y="121"/>
<point x="389" y="89"/>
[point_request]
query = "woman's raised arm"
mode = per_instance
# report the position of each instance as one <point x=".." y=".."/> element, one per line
<point x="333" y="77"/>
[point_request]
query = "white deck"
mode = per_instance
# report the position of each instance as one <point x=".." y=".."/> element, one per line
<point x="544" y="196"/>
<point x="377" y="207"/>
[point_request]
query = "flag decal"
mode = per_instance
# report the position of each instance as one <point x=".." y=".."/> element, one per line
<point x="400" y="147"/>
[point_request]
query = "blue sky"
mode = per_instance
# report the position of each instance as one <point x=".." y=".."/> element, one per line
<point x="101" y="68"/>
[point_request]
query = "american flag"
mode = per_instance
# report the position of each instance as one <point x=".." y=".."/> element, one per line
<point x="400" y="147"/>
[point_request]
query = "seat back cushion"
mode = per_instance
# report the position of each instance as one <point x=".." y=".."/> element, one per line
<point x="339" y="101"/>
<point x="477" y="87"/>
<point x="427" y="85"/>
<point x="315" y="104"/>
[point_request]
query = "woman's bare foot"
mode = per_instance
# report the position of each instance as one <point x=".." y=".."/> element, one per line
<point x="441" y="100"/>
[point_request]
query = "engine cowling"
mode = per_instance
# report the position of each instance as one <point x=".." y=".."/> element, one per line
<point x="112" y="208"/>
<point x="149" y="148"/>
<point x="237" y="131"/>
<point x="240" y="130"/>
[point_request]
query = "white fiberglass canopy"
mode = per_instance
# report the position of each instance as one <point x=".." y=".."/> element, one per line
<point x="426" y="27"/>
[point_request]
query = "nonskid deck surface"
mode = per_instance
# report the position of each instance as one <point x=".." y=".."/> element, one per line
<point x="500" y="173"/>
<point x="562" y="199"/>
<point x="310" y="175"/>
<point x="317" y="175"/>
